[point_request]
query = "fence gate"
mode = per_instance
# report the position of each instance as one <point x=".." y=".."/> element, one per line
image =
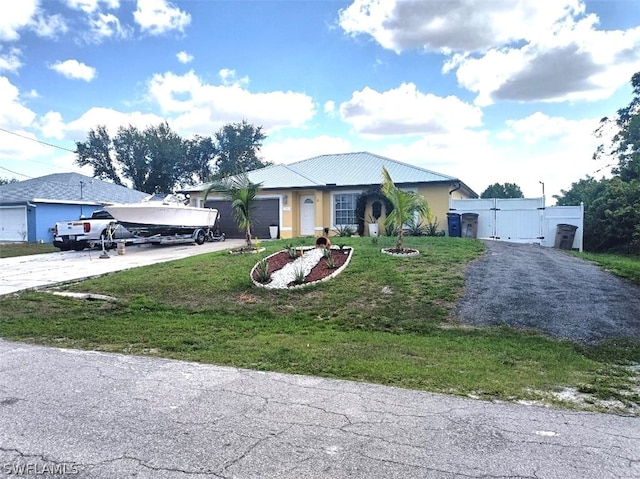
<point x="519" y="220"/>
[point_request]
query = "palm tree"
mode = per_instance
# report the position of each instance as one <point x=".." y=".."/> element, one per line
<point x="405" y="205"/>
<point x="242" y="194"/>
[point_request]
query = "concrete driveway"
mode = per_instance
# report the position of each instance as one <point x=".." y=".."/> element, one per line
<point x="44" y="270"/>
<point x="98" y="415"/>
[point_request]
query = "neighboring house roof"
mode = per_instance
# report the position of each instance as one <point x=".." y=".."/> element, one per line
<point x="347" y="169"/>
<point x="68" y="188"/>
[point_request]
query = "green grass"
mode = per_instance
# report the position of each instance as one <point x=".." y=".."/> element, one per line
<point x="385" y="320"/>
<point x="625" y="266"/>
<point x="9" y="250"/>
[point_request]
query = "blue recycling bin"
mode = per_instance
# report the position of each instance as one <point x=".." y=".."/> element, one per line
<point x="453" y="221"/>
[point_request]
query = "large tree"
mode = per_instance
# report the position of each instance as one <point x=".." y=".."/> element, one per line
<point x="625" y="145"/>
<point x="508" y="190"/>
<point x="236" y="149"/>
<point x="612" y="206"/>
<point x="153" y="159"/>
<point x="96" y="152"/>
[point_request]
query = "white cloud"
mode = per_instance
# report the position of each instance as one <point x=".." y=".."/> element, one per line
<point x="199" y="107"/>
<point x="295" y="149"/>
<point x="330" y="107"/>
<point x="184" y="57"/>
<point x="49" y="26"/>
<point x="407" y="111"/>
<point x="90" y="6"/>
<point x="456" y="25"/>
<point x="53" y="126"/>
<point x="16" y="17"/>
<point x="540" y="127"/>
<point x="10" y="61"/>
<point x="159" y="16"/>
<point x="576" y="63"/>
<point x="105" y="25"/>
<point x="507" y="50"/>
<point x="75" y="70"/>
<point x="554" y="150"/>
<point x="229" y="77"/>
<point x="13" y="114"/>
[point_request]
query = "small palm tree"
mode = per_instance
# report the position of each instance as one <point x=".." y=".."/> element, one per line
<point x="405" y="205"/>
<point x="242" y="194"/>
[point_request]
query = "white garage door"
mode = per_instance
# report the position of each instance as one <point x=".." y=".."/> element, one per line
<point x="13" y="223"/>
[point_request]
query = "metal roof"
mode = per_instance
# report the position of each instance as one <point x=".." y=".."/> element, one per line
<point x="347" y="169"/>
<point x="68" y="187"/>
<point x="363" y="168"/>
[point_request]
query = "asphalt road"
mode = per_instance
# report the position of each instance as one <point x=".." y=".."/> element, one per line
<point x="45" y="270"/>
<point x="531" y="287"/>
<point x="98" y="415"/>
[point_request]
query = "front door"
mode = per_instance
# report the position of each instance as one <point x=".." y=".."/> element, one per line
<point x="307" y="215"/>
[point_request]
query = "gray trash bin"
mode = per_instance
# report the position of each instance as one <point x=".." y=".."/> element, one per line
<point x="565" y="235"/>
<point x="469" y="224"/>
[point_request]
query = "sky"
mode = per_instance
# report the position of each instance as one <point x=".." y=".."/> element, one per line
<point x="483" y="90"/>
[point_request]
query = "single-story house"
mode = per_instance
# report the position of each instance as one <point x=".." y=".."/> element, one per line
<point x="30" y="208"/>
<point x="324" y="192"/>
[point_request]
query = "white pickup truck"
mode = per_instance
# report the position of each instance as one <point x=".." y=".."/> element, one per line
<point x="88" y="232"/>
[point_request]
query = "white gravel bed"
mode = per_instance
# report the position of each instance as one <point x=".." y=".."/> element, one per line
<point x="287" y="274"/>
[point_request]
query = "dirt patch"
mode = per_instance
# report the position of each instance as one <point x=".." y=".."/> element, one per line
<point x="531" y="287"/>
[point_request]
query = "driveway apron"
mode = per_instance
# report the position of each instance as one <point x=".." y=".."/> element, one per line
<point x="531" y="287"/>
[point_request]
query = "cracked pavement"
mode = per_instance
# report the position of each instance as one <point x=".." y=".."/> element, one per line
<point x="105" y="415"/>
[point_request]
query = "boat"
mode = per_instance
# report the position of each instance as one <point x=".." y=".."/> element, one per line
<point x="163" y="215"/>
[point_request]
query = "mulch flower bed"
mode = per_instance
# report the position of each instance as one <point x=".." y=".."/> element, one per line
<point x="316" y="265"/>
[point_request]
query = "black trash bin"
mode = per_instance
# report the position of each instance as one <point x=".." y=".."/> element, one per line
<point x="565" y="235"/>
<point x="469" y="225"/>
<point x="453" y="221"/>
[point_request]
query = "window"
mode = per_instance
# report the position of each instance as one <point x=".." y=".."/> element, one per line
<point x="344" y="208"/>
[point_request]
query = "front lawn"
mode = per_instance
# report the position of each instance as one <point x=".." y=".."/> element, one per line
<point x="9" y="250"/>
<point x="385" y="319"/>
<point x="626" y="266"/>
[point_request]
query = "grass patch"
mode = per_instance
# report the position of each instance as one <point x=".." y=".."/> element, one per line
<point x="9" y="250"/>
<point x="625" y="266"/>
<point x="385" y="320"/>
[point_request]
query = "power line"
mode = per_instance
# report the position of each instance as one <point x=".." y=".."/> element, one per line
<point x="38" y="141"/>
<point x="15" y="172"/>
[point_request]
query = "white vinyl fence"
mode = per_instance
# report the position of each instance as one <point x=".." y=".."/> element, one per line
<point x="521" y="220"/>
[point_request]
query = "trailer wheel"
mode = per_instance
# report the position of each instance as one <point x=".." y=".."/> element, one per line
<point x="200" y="237"/>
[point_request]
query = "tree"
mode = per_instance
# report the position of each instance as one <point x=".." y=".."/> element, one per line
<point x="612" y="206"/>
<point x="508" y="190"/>
<point x="625" y="145"/>
<point x="7" y="181"/>
<point x="152" y="159"/>
<point x="405" y="205"/>
<point x="236" y="147"/>
<point x="199" y="156"/>
<point x="96" y="152"/>
<point x="242" y="193"/>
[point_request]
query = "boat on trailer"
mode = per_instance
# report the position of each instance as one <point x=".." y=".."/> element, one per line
<point x="166" y="216"/>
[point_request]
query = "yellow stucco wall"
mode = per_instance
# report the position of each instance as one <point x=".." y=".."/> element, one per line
<point x="437" y="196"/>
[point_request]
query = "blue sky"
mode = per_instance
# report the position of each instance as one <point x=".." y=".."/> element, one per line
<point x="488" y="91"/>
